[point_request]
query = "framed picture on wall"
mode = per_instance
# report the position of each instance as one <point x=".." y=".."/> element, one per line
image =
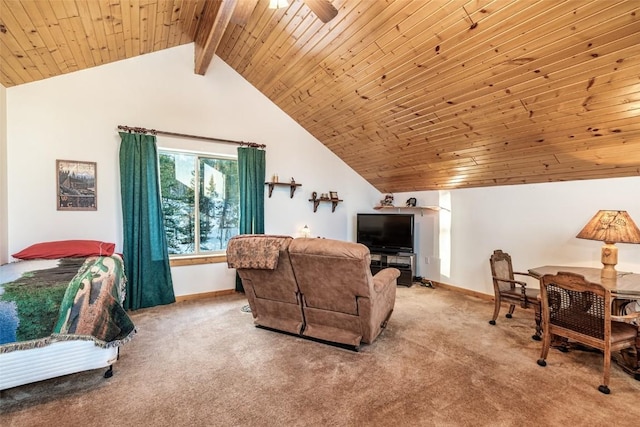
<point x="76" y="185"/>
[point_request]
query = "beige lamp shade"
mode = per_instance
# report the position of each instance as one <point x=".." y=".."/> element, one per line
<point x="610" y="227"/>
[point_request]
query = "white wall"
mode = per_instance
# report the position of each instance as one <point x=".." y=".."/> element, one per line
<point x="536" y="224"/>
<point x="74" y="117"/>
<point x="3" y="176"/>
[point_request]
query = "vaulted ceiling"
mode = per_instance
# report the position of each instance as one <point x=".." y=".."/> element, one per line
<point x="412" y="94"/>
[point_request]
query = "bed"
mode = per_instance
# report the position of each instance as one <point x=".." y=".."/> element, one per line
<point x="60" y="316"/>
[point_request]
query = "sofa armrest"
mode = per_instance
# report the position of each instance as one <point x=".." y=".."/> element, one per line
<point x="384" y="277"/>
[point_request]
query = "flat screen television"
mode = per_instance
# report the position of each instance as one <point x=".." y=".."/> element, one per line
<point x="388" y="233"/>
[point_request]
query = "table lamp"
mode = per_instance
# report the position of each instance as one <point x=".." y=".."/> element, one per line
<point x="610" y="227"/>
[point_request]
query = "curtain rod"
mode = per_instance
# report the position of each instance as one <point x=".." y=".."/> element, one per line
<point x="184" y="135"/>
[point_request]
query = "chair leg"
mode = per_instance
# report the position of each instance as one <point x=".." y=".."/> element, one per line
<point x="604" y="387"/>
<point x="560" y="343"/>
<point x="538" y="317"/>
<point x="496" y="310"/>
<point x="546" y="343"/>
<point x="637" y="367"/>
<point x="512" y="308"/>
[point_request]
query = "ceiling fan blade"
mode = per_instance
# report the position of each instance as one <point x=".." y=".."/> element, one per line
<point x="323" y="9"/>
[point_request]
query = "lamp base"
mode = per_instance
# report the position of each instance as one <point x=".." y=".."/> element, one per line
<point x="609" y="258"/>
<point x="608" y="272"/>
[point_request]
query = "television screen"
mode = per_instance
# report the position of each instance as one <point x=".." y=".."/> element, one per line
<point x="385" y="232"/>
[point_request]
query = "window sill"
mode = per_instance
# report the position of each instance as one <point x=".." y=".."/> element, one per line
<point x="197" y="260"/>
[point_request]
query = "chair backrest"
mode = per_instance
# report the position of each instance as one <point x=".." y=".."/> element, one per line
<point x="571" y="302"/>
<point x="501" y="268"/>
<point x="262" y="262"/>
<point x="332" y="274"/>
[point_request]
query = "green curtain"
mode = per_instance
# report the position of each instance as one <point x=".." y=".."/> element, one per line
<point x="146" y="258"/>
<point x="251" y="174"/>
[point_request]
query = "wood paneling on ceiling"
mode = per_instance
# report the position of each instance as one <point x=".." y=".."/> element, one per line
<point x="412" y="94"/>
<point x="43" y="39"/>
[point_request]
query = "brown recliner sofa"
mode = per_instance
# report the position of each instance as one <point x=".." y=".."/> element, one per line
<point x="339" y="299"/>
<point x="263" y="264"/>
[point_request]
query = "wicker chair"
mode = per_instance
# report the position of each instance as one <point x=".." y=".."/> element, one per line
<point x="629" y="360"/>
<point x="513" y="291"/>
<point x="579" y="310"/>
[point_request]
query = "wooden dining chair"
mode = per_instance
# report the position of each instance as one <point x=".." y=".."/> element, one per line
<point x="579" y="310"/>
<point x="508" y="289"/>
<point x="629" y="360"/>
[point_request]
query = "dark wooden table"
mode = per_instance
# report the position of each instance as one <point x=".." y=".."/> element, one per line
<point x="625" y="285"/>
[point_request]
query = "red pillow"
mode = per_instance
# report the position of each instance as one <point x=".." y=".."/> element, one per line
<point x="66" y="249"/>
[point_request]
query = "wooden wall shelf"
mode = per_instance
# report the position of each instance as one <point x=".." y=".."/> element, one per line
<point x="334" y="203"/>
<point x="291" y="185"/>
<point x="409" y="208"/>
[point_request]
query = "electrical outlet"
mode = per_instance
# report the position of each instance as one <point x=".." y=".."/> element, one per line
<point x="426" y="260"/>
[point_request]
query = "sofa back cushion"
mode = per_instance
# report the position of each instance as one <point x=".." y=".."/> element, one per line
<point x="331" y="274"/>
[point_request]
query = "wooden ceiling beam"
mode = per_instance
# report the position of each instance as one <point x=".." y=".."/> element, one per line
<point x="215" y="18"/>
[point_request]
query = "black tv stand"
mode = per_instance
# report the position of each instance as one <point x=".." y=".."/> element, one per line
<point x="403" y="261"/>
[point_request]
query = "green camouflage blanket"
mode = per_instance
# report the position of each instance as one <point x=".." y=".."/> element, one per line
<point x="79" y="299"/>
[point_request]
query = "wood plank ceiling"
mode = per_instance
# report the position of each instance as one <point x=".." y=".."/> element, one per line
<point x="412" y="94"/>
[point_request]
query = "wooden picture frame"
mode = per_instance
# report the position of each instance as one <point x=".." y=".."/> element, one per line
<point x="333" y="195"/>
<point x="76" y="185"/>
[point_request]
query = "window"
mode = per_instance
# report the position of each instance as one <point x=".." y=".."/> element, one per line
<point x="200" y="201"/>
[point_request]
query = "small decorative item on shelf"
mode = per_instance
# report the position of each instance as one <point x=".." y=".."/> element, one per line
<point x="388" y="200"/>
<point x="331" y="197"/>
<point x="274" y="183"/>
<point x="411" y="202"/>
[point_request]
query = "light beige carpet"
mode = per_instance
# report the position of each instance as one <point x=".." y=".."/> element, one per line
<point x="438" y="363"/>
